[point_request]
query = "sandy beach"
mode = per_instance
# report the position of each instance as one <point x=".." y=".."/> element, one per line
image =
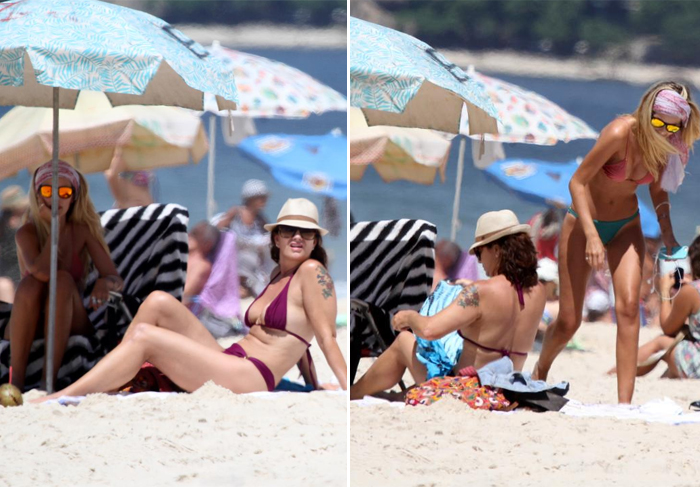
<point x="448" y="444"/>
<point x="211" y="437"/>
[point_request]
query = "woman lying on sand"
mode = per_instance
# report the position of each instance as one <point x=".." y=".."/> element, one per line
<point x="650" y="147"/>
<point x="496" y="317"/>
<point x="683" y="358"/>
<point x="298" y="304"/>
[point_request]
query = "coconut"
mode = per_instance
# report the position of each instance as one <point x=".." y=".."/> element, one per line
<point x="10" y="395"/>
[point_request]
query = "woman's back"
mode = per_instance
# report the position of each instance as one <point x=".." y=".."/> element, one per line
<point x="503" y="327"/>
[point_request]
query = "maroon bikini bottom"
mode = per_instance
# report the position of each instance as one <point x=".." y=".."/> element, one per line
<point x="237" y="351"/>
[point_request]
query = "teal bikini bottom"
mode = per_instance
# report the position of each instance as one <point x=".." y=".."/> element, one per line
<point x="608" y="229"/>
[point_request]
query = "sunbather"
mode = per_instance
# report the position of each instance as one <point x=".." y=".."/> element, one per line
<point x="80" y="244"/>
<point x="298" y="304"/>
<point x="682" y="357"/>
<point x="650" y="146"/>
<point x="496" y="317"/>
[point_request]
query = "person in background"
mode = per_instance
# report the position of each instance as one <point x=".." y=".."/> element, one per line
<point x="453" y="264"/>
<point x="546" y="227"/>
<point x="129" y="188"/>
<point x="13" y="205"/>
<point x="247" y="222"/>
<point x="548" y="275"/>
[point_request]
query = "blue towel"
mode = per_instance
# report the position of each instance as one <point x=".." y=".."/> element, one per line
<point x="441" y="355"/>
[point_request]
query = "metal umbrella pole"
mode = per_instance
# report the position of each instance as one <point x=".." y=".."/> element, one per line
<point x="458" y="190"/>
<point x="211" y="204"/>
<point x="53" y="269"/>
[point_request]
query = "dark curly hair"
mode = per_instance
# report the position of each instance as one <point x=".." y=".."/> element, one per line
<point x="518" y="259"/>
<point x="694" y="254"/>
<point x="318" y="253"/>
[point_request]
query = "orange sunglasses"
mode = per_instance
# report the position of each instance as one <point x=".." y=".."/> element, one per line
<point x="64" y="192"/>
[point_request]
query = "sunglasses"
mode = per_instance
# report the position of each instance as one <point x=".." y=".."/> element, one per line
<point x="288" y="232"/>
<point x="64" y="192"/>
<point x="670" y="127"/>
<point x="477" y="252"/>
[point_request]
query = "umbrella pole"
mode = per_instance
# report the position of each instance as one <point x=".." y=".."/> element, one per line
<point x="211" y="204"/>
<point x="50" y="335"/>
<point x="458" y="190"/>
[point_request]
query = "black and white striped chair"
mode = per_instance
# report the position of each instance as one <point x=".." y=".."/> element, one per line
<point x="391" y="269"/>
<point x="149" y="247"/>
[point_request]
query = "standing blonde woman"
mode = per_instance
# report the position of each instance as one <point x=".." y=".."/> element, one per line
<point x="650" y="146"/>
<point x="80" y="244"/>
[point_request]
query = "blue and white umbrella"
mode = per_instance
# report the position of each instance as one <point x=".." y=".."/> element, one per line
<point x="316" y="164"/>
<point x="548" y="183"/>
<point x="401" y="81"/>
<point x="47" y="46"/>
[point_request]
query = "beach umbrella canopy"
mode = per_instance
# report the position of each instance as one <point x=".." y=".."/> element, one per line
<point x="132" y="56"/>
<point x="397" y="153"/>
<point x="150" y="137"/>
<point x="271" y="89"/>
<point x="312" y="163"/>
<point x="527" y="117"/>
<point x="547" y="183"/>
<point x="400" y="81"/>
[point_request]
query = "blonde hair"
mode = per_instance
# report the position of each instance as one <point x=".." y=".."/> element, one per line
<point x="81" y="212"/>
<point x="655" y="148"/>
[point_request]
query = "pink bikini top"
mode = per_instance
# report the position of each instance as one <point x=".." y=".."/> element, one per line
<point x="618" y="170"/>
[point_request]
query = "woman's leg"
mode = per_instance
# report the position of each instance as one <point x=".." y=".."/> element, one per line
<point x="661" y="342"/>
<point x="71" y="319"/>
<point x="625" y="256"/>
<point x="389" y="368"/>
<point x="187" y="363"/>
<point x="573" y="276"/>
<point x="7" y="290"/>
<point x="162" y="310"/>
<point x="22" y="328"/>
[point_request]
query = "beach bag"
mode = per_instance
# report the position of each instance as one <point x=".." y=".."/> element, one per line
<point x="465" y="389"/>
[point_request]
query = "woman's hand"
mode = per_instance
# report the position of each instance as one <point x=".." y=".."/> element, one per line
<point x="595" y="252"/>
<point x="100" y="293"/>
<point x="666" y="282"/>
<point x="402" y="320"/>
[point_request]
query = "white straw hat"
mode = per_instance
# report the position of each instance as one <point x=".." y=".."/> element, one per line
<point x="300" y="213"/>
<point x="496" y="224"/>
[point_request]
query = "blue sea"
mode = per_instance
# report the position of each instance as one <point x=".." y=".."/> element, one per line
<point x="187" y="185"/>
<point x="596" y="102"/>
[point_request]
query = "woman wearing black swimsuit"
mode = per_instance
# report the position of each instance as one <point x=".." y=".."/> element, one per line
<point x="496" y="317"/>
<point x="298" y="305"/>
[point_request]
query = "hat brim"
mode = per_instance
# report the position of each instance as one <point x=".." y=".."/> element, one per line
<point x="296" y="223"/>
<point x="522" y="228"/>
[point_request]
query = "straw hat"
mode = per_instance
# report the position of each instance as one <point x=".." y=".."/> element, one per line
<point x="13" y="198"/>
<point x="300" y="213"/>
<point x="496" y="224"/>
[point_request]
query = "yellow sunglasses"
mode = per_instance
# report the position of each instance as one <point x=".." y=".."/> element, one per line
<point x="670" y="127"/>
<point x="64" y="192"/>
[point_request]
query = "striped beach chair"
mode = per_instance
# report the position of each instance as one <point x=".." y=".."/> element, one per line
<point x="391" y="269"/>
<point x="149" y="247"/>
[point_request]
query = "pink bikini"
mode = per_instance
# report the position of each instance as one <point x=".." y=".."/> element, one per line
<point x="618" y="170"/>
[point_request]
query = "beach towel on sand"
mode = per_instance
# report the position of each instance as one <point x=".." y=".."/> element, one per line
<point x="465" y="389"/>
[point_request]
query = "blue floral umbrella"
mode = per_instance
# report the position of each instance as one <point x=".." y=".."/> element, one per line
<point x="548" y="183"/>
<point x="400" y="81"/>
<point x="134" y="57"/>
<point x="316" y="164"/>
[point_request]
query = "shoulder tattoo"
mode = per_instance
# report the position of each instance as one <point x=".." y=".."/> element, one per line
<point x="469" y="296"/>
<point x="325" y="281"/>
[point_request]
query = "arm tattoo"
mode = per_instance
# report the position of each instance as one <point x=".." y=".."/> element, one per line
<point x="469" y="297"/>
<point x="324" y="279"/>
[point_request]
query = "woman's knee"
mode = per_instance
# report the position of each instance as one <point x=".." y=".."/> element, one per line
<point x="142" y="333"/>
<point x="29" y="290"/>
<point x="626" y="309"/>
<point x="568" y="323"/>
<point x="65" y="285"/>
<point x="158" y="300"/>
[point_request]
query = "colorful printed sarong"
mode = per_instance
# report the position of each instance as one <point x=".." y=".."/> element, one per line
<point x="465" y="389"/>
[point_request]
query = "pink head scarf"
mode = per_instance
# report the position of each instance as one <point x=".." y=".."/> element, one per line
<point x="669" y="102"/>
<point x="65" y="170"/>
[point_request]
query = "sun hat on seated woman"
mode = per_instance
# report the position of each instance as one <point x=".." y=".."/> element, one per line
<point x="496" y="224"/>
<point x="300" y="213"/>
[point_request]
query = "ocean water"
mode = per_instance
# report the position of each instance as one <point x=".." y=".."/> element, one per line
<point x="596" y="102"/>
<point x="187" y="185"/>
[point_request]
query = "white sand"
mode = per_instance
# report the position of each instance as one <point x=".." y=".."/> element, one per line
<point x="449" y="444"/>
<point x="209" y="438"/>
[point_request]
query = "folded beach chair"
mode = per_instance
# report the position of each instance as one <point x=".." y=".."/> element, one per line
<point x="391" y="269"/>
<point x="149" y="247"/>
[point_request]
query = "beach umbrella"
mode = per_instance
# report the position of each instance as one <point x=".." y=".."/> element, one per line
<point x="150" y="137"/>
<point x="135" y="58"/>
<point x="266" y="89"/>
<point x="523" y="117"/>
<point x="400" y="81"/>
<point x="547" y="183"/>
<point x="312" y="163"/>
<point x="397" y="153"/>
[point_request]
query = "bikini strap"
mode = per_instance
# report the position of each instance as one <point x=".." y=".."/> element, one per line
<point x="627" y="146"/>
<point x="308" y="357"/>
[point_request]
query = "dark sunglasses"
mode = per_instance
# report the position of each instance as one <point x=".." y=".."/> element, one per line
<point x="670" y="127"/>
<point x="288" y="232"/>
<point x="477" y="252"/>
<point x="64" y="192"/>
